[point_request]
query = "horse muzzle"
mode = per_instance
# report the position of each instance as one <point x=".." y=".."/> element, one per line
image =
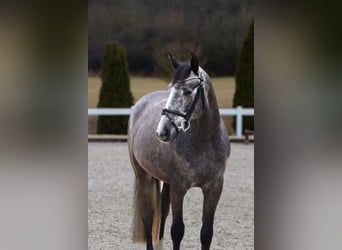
<point x="165" y="136"/>
<point x="166" y="132"/>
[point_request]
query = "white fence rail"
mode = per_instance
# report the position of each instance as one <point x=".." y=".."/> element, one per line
<point x="239" y="112"/>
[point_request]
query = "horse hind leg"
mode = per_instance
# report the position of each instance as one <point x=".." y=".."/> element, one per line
<point x="146" y="220"/>
<point x="165" y="209"/>
<point x="211" y="197"/>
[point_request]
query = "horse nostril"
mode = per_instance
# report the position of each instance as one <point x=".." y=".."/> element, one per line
<point x="163" y="134"/>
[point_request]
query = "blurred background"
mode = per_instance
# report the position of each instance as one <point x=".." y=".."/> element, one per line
<point x="147" y="30"/>
<point x="43" y="146"/>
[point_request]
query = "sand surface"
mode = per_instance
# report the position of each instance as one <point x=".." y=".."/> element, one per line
<point x="110" y="192"/>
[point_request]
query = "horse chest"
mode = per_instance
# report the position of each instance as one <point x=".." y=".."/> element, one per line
<point x="197" y="164"/>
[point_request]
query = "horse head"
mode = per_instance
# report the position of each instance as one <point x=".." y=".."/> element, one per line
<point x="188" y="99"/>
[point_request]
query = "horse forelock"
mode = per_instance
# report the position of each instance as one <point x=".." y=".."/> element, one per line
<point x="182" y="72"/>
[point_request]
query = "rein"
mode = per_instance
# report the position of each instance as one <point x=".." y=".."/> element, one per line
<point x="185" y="124"/>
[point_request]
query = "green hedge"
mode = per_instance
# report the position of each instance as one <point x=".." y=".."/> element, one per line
<point x="244" y="93"/>
<point x="115" y="90"/>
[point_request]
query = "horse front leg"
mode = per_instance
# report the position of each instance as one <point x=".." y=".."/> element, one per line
<point x="177" y="228"/>
<point x="211" y="195"/>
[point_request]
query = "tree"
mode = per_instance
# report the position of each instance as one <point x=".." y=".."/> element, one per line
<point x="147" y="27"/>
<point x="115" y="89"/>
<point x="181" y="51"/>
<point x="244" y="92"/>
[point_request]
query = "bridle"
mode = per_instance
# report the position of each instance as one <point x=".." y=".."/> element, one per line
<point x="185" y="124"/>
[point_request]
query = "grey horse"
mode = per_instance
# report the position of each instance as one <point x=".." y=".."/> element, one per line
<point x="176" y="140"/>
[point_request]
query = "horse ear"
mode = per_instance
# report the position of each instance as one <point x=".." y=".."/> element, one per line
<point x="194" y="63"/>
<point x="173" y="60"/>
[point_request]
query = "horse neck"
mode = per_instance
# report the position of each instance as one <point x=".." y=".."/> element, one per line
<point x="208" y="124"/>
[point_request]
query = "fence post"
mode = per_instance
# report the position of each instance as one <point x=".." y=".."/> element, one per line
<point x="239" y="121"/>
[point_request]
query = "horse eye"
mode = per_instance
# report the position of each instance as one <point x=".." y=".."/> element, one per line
<point x="187" y="92"/>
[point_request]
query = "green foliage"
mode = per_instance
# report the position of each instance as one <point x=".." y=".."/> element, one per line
<point x="244" y="93"/>
<point x="115" y="89"/>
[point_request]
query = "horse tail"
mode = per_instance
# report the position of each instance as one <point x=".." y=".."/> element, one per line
<point x="156" y="205"/>
<point x="138" y="228"/>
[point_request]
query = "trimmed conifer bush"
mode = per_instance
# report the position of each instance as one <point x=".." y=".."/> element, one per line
<point x="244" y="92"/>
<point x="115" y="90"/>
